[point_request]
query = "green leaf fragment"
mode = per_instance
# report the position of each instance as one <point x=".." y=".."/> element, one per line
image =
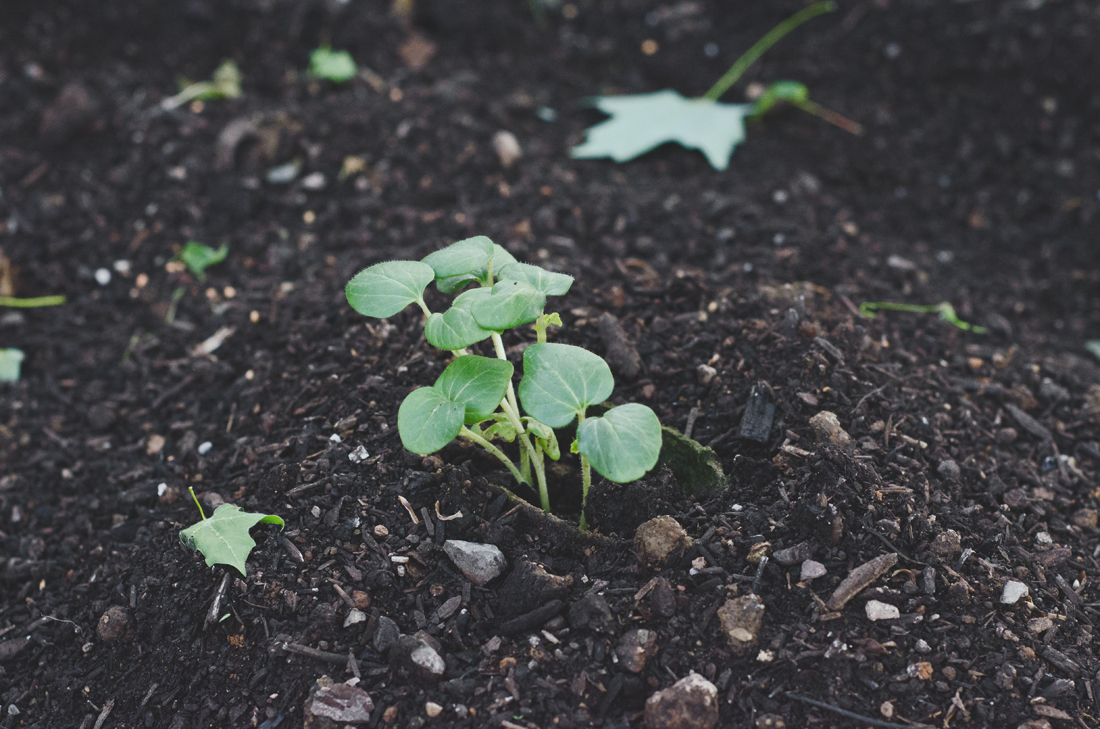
<point x="224" y="538"/>
<point x="622" y="445"/>
<point x="331" y="65"/>
<point x="198" y="257"/>
<point x="428" y="420"/>
<point x="510" y="304"/>
<point x="548" y="282"/>
<point x="501" y="428"/>
<point x="386" y="288"/>
<point x="642" y="122"/>
<point x="479" y="383"/>
<point x="545" y="437"/>
<point x="226" y="84"/>
<point x="462" y="258"/>
<point x="11" y="360"/>
<point x="560" y="381"/>
<point x="456" y="327"/>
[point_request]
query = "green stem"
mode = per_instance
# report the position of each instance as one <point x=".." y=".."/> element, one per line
<point x="424" y="307"/>
<point x="586" y="479"/>
<point x="471" y="435"/>
<point x="761" y="46"/>
<point x="31" y="303"/>
<point x="196" y="498"/>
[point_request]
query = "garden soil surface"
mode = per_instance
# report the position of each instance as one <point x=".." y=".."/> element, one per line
<point x="965" y="464"/>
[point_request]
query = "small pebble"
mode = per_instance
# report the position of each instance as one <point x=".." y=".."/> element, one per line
<point x="314" y="181"/>
<point x="811" y="570"/>
<point x="358" y="455"/>
<point x="205" y="447"/>
<point x="122" y="266"/>
<point x="1013" y="591"/>
<point x="507" y="148"/>
<point x="432" y="709"/>
<point x="102" y="276"/>
<point x="355" y="615"/>
<point x="335" y="438"/>
<point x="881" y="611"/>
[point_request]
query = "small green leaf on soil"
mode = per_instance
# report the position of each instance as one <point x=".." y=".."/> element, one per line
<point x="479" y="383"/>
<point x="386" y="288"/>
<point x="511" y="304"/>
<point x="224" y="538"/>
<point x="198" y="257"/>
<point x="695" y="466"/>
<point x="428" y="420"/>
<point x="11" y="360"/>
<point x="560" y="381"/>
<point x="548" y="282"/>
<point x="332" y="65"/>
<point x="456" y="327"/>
<point x="624" y="444"/>
<point x="642" y="122"/>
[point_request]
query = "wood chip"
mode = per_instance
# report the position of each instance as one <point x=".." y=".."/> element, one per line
<point x="859" y="578"/>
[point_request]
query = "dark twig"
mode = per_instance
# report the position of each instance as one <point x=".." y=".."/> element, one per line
<point x="853" y="715"/>
<point x="172" y="392"/>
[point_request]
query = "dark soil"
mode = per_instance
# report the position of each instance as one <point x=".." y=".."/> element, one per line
<point x="974" y="458"/>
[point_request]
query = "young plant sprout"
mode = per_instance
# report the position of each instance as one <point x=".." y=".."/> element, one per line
<point x="226" y="84"/>
<point x="474" y="397"/>
<point x="330" y="65"/>
<point x="199" y="256"/>
<point x="642" y="122"/>
<point x="224" y="538"/>
<point x="944" y="309"/>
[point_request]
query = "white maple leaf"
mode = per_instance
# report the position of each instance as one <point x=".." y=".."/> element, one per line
<point x="642" y="122"/>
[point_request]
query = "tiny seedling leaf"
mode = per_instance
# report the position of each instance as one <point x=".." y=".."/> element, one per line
<point x="226" y="84"/>
<point x="642" y="122"/>
<point x="545" y="436"/>
<point x="198" y="257"/>
<point x="10" y="361"/>
<point x="462" y="258"/>
<point x="623" y="444"/>
<point x="386" y="288"/>
<point x="479" y="383"/>
<point x="428" y="420"/>
<point x="224" y="538"/>
<point x="560" y="381"/>
<point x="456" y="327"/>
<point x="331" y="65"/>
<point x="788" y="91"/>
<point x="500" y="258"/>
<point x="510" y="304"/>
<point x="548" y="282"/>
<point x="501" y="428"/>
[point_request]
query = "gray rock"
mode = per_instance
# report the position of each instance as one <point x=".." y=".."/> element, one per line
<point x="877" y="610"/>
<point x="949" y="470"/>
<point x="1028" y="423"/>
<point x="386" y="635"/>
<point x="419" y="656"/>
<point x="528" y="586"/>
<point x="355" y="615"/>
<point x="663" y="599"/>
<point x="756" y="423"/>
<point x="1013" y="591"/>
<point x="811" y="570"/>
<point x="690" y="703"/>
<point x="659" y="541"/>
<point x="946" y="545"/>
<point x="635" y="647"/>
<point x="797" y="554"/>
<point x="621" y="356"/>
<point x="337" y="703"/>
<point x="827" y="428"/>
<point x="741" y="619"/>
<point x="479" y="562"/>
<point x="1051" y="390"/>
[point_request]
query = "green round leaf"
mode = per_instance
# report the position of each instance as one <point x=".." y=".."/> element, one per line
<point x="428" y="420"/>
<point x="386" y="288"/>
<point x="456" y="327"/>
<point x="479" y="383"/>
<point x="548" y="282"/>
<point x="460" y="258"/>
<point x="512" y="303"/>
<point x="560" y="381"/>
<point x="337" y="66"/>
<point x="624" y="444"/>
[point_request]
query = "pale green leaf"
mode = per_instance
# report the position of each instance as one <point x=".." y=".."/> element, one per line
<point x="500" y="258"/>
<point x="643" y="122"/>
<point x="548" y="282"/>
<point x="456" y="327"/>
<point x="428" y="420"/>
<point x="479" y="383"/>
<point x="198" y="257"/>
<point x="461" y="258"/>
<point x="545" y="437"/>
<point x="224" y="538"/>
<point x="501" y="428"/>
<point x="386" y="288"/>
<point x="560" y="381"/>
<point x="511" y="304"/>
<point x="10" y="361"/>
<point x="623" y="444"/>
<point x="331" y="65"/>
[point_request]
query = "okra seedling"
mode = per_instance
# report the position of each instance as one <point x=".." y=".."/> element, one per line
<point x="944" y="309"/>
<point x="474" y="397"/>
